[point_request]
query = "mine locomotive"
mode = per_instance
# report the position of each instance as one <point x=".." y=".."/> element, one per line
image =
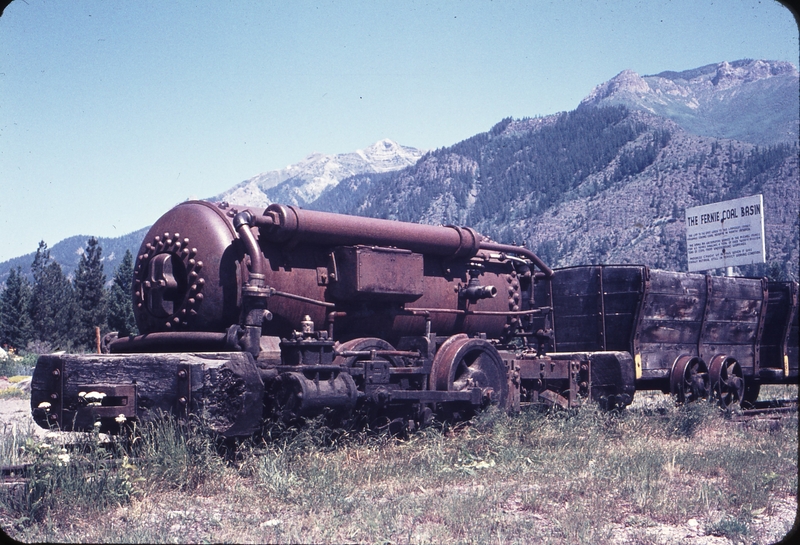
<point x="286" y="313"/>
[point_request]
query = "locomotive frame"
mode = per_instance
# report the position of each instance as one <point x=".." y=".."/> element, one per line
<point x="287" y="313"/>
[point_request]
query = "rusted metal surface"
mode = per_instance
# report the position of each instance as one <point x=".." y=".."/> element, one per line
<point x="300" y="313"/>
<point x="312" y="262"/>
<point x="689" y="379"/>
<point x="292" y="226"/>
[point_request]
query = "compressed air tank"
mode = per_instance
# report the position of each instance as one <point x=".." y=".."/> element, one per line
<point x="355" y="276"/>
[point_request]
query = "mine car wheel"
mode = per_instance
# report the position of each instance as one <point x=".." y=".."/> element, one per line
<point x="727" y="382"/>
<point x="463" y="363"/>
<point x="751" y="391"/>
<point x="689" y="379"/>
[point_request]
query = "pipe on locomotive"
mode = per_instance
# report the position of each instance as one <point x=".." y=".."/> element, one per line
<point x="255" y="292"/>
<point x="292" y="225"/>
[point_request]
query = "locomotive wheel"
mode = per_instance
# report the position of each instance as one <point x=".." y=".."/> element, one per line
<point x="361" y="345"/>
<point x="727" y="382"/>
<point x="463" y="363"/>
<point x="689" y="379"/>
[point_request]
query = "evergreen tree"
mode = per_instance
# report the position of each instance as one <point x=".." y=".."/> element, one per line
<point x="41" y="303"/>
<point x="90" y="297"/>
<point x="40" y="261"/>
<point x="52" y="302"/>
<point x="120" y="309"/>
<point x="16" y="329"/>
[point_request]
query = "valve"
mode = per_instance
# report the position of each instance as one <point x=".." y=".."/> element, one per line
<point x="474" y="292"/>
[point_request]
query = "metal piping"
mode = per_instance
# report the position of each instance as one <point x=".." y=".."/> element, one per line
<point x="292" y="225"/>
<point x="241" y="223"/>
<point x="255" y="292"/>
<point x="508" y="248"/>
<point x="193" y="340"/>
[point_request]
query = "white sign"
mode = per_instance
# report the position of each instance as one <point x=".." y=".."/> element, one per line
<point x="726" y="234"/>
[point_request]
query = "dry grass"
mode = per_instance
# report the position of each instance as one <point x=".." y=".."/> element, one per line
<point x="655" y="473"/>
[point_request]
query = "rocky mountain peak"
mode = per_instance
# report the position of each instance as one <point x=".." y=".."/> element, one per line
<point x="626" y="82"/>
<point x="387" y="155"/>
<point x="741" y="71"/>
<point x="304" y="181"/>
<point x="709" y="100"/>
<point x="730" y="74"/>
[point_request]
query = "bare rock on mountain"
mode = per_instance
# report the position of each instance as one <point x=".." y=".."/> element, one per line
<point x="754" y="101"/>
<point x="303" y="182"/>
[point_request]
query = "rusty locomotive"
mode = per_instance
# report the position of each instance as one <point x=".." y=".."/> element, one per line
<point x="287" y="313"/>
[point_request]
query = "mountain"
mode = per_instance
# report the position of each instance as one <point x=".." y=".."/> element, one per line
<point x="609" y="181"/>
<point x="303" y="182"/>
<point x="296" y="184"/>
<point x="754" y="101"/>
<point x="605" y="183"/>
<point x="68" y="253"/>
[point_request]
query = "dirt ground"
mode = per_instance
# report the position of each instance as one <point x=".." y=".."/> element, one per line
<point x="18" y="411"/>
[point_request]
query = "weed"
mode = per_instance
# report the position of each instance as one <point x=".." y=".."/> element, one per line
<point x="82" y="476"/>
<point x="683" y="421"/>
<point x="175" y="454"/>
<point x="553" y="477"/>
<point x="731" y="527"/>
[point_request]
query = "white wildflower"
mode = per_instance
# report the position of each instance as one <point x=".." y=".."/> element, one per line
<point x="121" y="419"/>
<point x="44" y="405"/>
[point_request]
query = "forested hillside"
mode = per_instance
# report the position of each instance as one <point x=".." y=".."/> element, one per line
<point x="593" y="185"/>
<point x="68" y="252"/>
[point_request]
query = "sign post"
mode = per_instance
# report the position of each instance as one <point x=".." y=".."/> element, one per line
<point x="726" y="234"/>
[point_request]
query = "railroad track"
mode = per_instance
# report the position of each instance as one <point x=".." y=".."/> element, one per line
<point x="772" y="410"/>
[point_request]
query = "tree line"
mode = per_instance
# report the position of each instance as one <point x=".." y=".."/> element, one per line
<point x="53" y="312"/>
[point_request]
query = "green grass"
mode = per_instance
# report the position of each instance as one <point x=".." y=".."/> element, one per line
<point x="553" y="477"/>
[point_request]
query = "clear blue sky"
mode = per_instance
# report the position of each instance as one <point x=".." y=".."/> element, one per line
<point x="112" y="112"/>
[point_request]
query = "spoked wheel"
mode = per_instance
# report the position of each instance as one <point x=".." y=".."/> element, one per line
<point x="751" y="391"/>
<point x="727" y="382"/>
<point x="377" y="412"/>
<point x="463" y="363"/>
<point x="689" y="379"/>
<point x="364" y="344"/>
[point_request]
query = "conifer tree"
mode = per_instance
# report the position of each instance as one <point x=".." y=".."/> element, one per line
<point x="16" y="329"/>
<point x="52" y="308"/>
<point x="90" y="296"/>
<point x="40" y="261"/>
<point x="120" y="309"/>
